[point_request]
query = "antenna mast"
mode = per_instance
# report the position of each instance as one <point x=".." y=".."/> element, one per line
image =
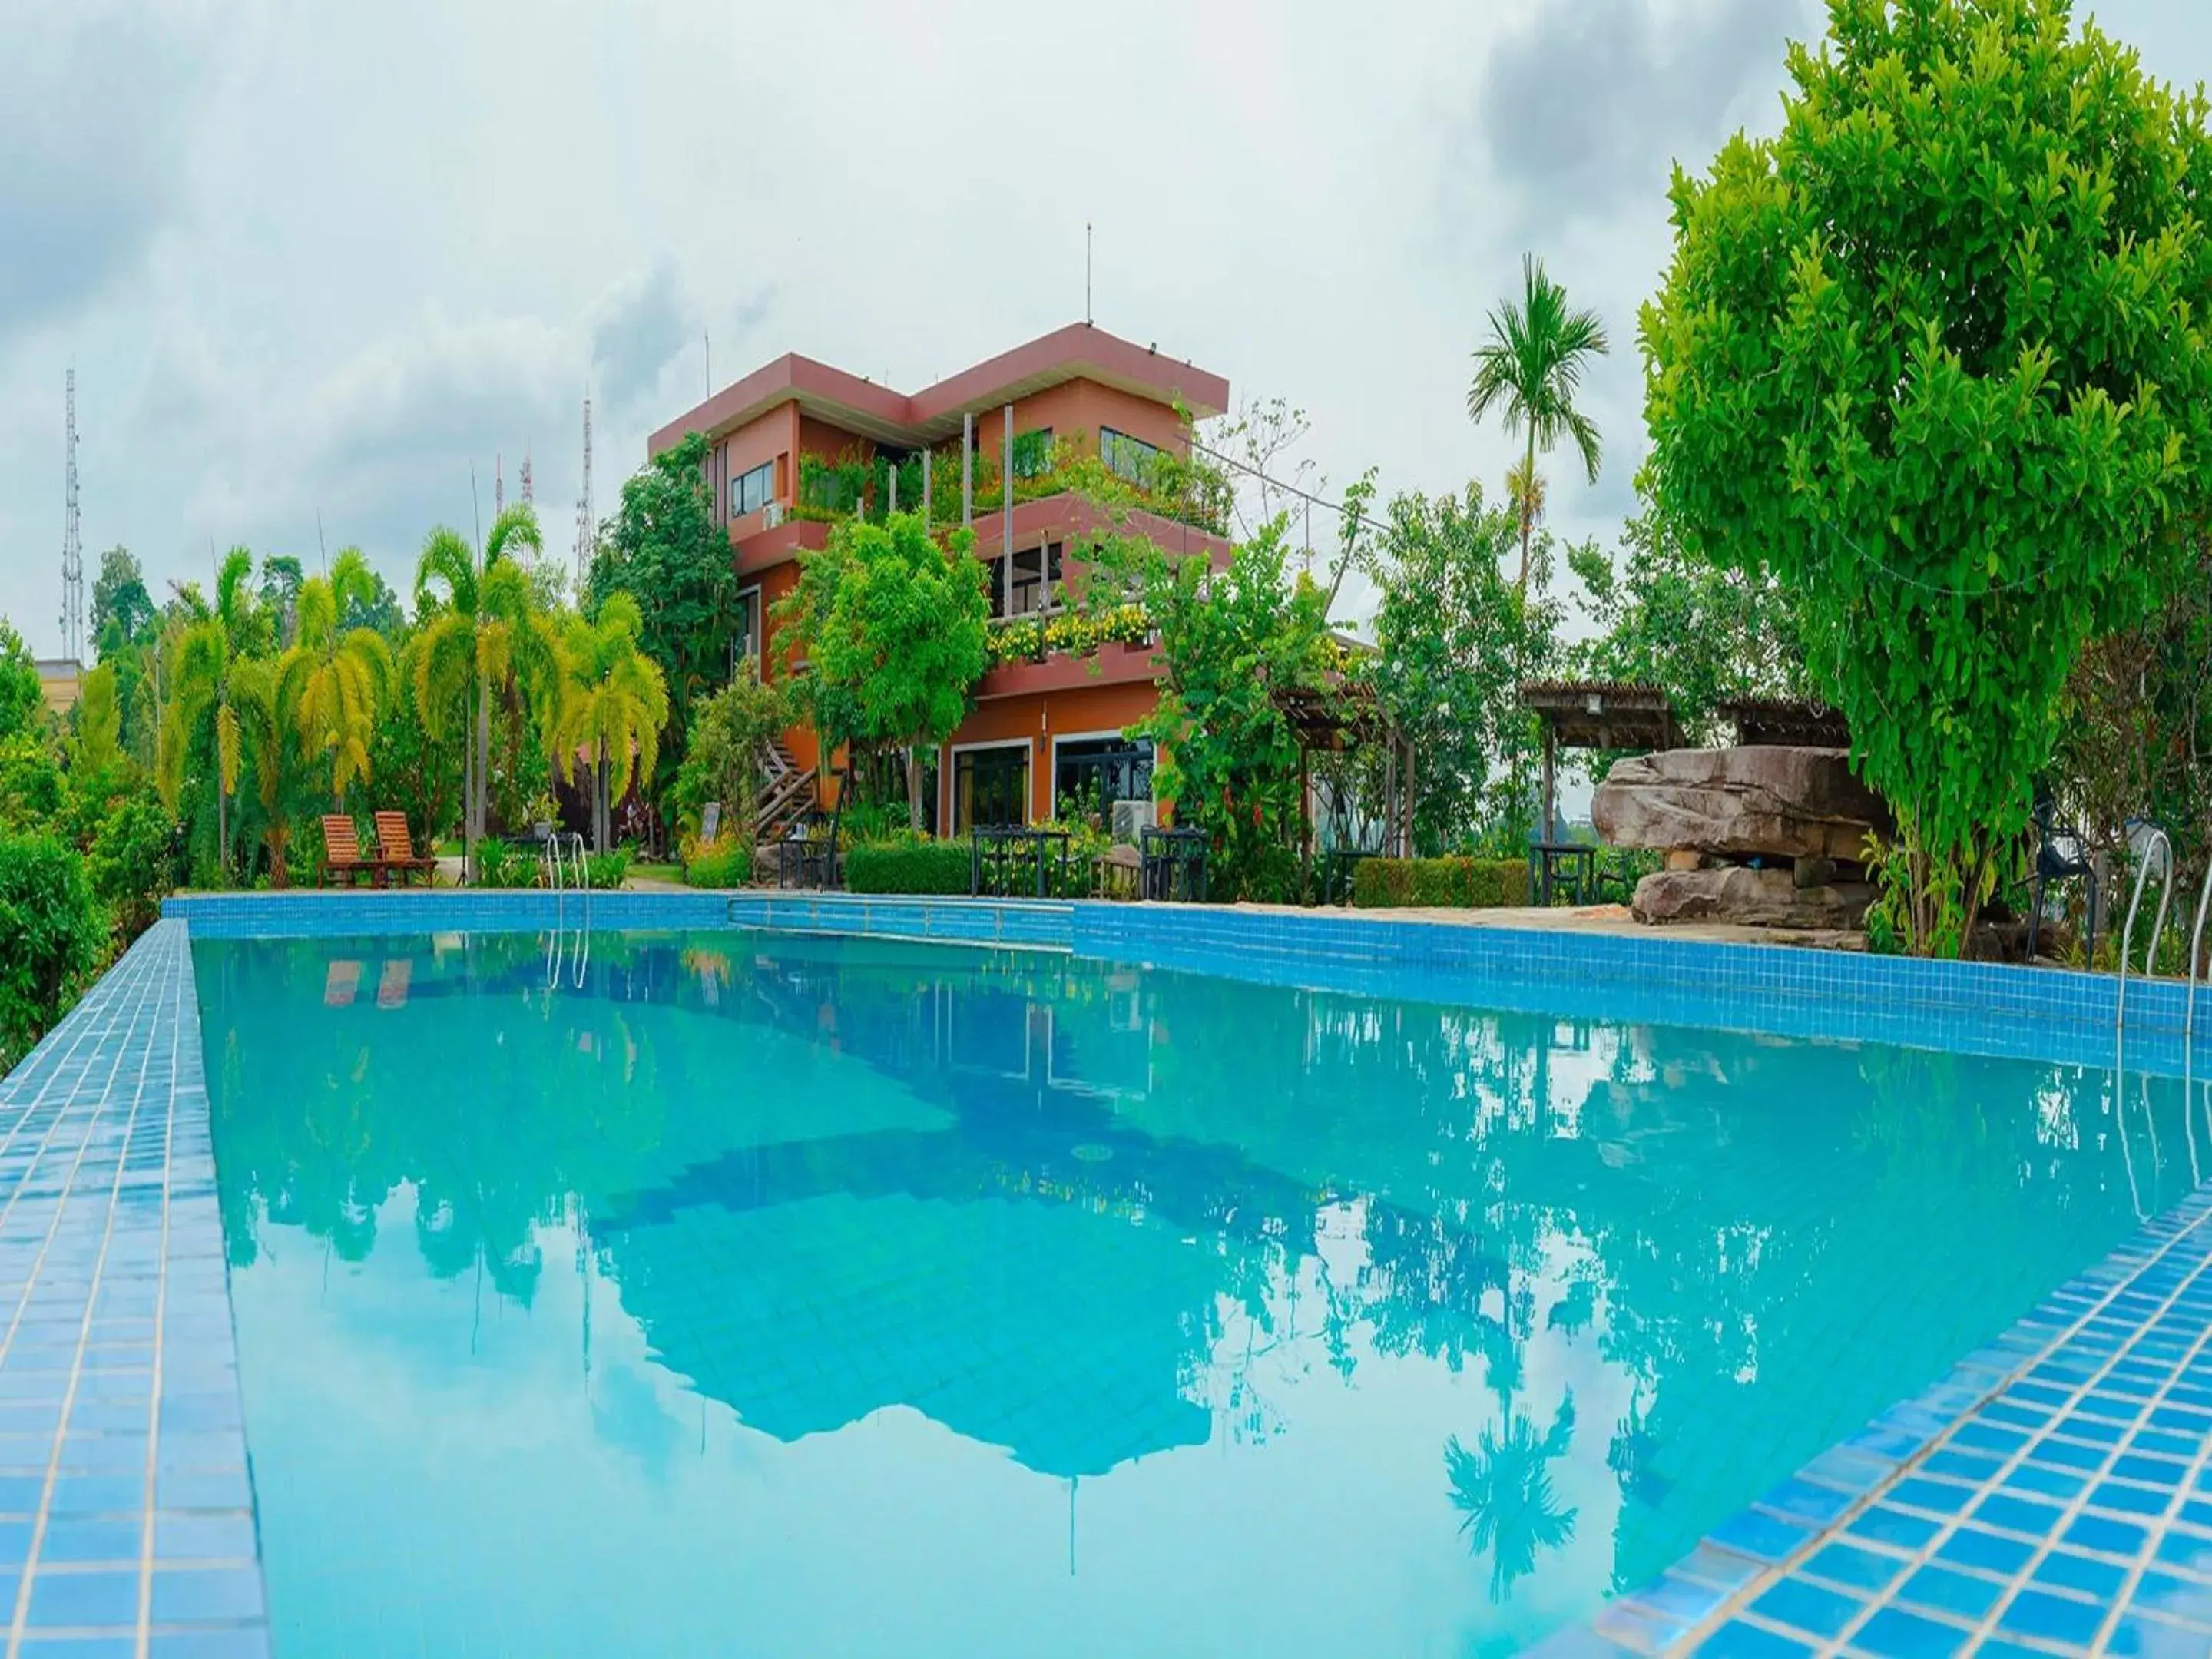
<point x="528" y="500"/>
<point x="498" y="485"/>
<point x="586" y="528"/>
<point x="72" y="546"/>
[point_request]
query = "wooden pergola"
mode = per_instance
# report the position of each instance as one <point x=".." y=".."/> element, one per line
<point x="1346" y="713"/>
<point x="1790" y="721"/>
<point x="1596" y="714"/>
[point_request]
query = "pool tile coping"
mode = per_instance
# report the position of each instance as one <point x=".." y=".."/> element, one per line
<point x="126" y="1498"/>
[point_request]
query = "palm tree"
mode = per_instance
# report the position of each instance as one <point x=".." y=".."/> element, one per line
<point x="208" y="655"/>
<point x="1503" y="1492"/>
<point x="617" y="702"/>
<point x="481" y="623"/>
<point x="1533" y="365"/>
<point x="332" y="682"/>
<point x="265" y="727"/>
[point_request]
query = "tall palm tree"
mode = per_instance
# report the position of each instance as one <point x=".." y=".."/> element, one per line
<point x="1532" y="366"/>
<point x="617" y="702"/>
<point x="208" y="655"/>
<point x="332" y="682"/>
<point x="480" y="630"/>
<point x="266" y="728"/>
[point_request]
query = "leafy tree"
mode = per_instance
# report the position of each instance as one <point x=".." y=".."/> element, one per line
<point x="22" y="697"/>
<point x="616" y="702"/>
<point x="1531" y="368"/>
<point x="1455" y="638"/>
<point x="203" y="709"/>
<point x="98" y="722"/>
<point x="373" y="604"/>
<point x="1936" y="354"/>
<point x="413" y="772"/>
<point x="722" y="759"/>
<point x="481" y="632"/>
<point x="664" y="547"/>
<point x="281" y="578"/>
<point x="51" y="937"/>
<point x="132" y="862"/>
<point x="892" y="623"/>
<point x="122" y="610"/>
<point x="1704" y="632"/>
<point x="1234" y="643"/>
<point x="332" y="683"/>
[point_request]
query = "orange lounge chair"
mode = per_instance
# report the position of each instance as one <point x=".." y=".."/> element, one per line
<point x="342" y="857"/>
<point x="395" y="848"/>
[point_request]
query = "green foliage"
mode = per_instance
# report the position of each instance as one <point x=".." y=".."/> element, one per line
<point x="604" y="872"/>
<point x="31" y="789"/>
<point x="53" y="937"/>
<point x="22" y="698"/>
<point x="1232" y="641"/>
<point x="373" y="604"/>
<point x="907" y="865"/>
<point x="1531" y="368"/>
<point x="729" y="730"/>
<point x="1455" y="637"/>
<point x="414" y="773"/>
<point x="122" y="610"/>
<point x="1936" y="354"/>
<point x="892" y="623"/>
<point x="1452" y="883"/>
<point x="504" y="864"/>
<point x="132" y="862"/>
<point x="666" y="548"/>
<point x="1703" y="632"/>
<point x="97" y="717"/>
<point x="613" y="708"/>
<point x="725" y="861"/>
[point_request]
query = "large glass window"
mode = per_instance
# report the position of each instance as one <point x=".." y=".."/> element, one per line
<point x="1125" y="456"/>
<point x="746" y="648"/>
<point x="751" y="491"/>
<point x="1033" y="452"/>
<point x="1036" y="581"/>
<point x="1090" y="774"/>
<point x="990" y="788"/>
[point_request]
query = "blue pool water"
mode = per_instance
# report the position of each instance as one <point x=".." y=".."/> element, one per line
<point x="788" y="1296"/>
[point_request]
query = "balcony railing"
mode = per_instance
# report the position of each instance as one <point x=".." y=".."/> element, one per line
<point x="1066" y="633"/>
<point x="1185" y="491"/>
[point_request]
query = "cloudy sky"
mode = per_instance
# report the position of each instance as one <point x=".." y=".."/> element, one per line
<point x="318" y="260"/>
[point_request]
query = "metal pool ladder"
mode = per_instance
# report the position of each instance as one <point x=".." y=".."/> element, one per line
<point x="2158" y="845"/>
<point x="558" y="874"/>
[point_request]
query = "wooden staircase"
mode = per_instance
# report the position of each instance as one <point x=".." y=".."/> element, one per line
<point x="787" y="794"/>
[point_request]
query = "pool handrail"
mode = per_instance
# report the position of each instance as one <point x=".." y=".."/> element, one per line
<point x="2196" y="959"/>
<point x="2156" y="843"/>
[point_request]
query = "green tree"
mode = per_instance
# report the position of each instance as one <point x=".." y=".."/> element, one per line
<point x="616" y="702"/>
<point x="22" y="696"/>
<point x="122" y="610"/>
<point x="1455" y="638"/>
<point x="722" y="759"/>
<point x="281" y="578"/>
<point x="664" y="547"/>
<point x="480" y="632"/>
<point x="1234" y="643"/>
<point x="1531" y="368"/>
<point x="333" y="683"/>
<point x="373" y="604"/>
<point x="892" y="623"/>
<point x="1936" y="354"/>
<point x="202" y="707"/>
<point x="99" y="723"/>
<point x="1704" y="632"/>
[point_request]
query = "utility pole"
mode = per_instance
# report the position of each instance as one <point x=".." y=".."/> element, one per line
<point x="587" y="529"/>
<point x="72" y="545"/>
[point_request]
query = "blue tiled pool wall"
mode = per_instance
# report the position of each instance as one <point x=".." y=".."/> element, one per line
<point x="2053" y="1494"/>
<point x="312" y="915"/>
<point x="126" y="1505"/>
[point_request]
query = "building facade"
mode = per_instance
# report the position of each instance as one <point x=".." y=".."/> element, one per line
<point x="797" y="444"/>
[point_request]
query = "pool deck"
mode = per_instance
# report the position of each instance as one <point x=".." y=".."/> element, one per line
<point x="2052" y="1495"/>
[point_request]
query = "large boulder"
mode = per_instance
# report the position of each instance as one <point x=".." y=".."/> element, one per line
<point x="1754" y="800"/>
<point x="1750" y="898"/>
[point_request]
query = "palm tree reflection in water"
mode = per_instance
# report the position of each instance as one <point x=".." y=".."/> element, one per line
<point x="1503" y="1491"/>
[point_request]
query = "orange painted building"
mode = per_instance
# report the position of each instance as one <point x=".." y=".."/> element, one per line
<point x="1041" y="731"/>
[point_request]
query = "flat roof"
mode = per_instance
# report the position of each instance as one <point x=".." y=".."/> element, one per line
<point x="1079" y="351"/>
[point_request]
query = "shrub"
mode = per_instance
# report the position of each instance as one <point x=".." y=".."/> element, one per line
<point x="53" y="936"/>
<point x="603" y="870"/>
<point x="1456" y="883"/>
<point x="501" y="864"/>
<point x="907" y="866"/>
<point x="31" y="792"/>
<point x="134" y="862"/>
<point x="725" y="861"/>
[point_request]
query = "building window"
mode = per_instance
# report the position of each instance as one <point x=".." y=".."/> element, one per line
<point x="990" y="788"/>
<point x="1089" y="775"/>
<point x="751" y="491"/>
<point x="1033" y="452"/>
<point x="1125" y="456"/>
<point x="1036" y="581"/>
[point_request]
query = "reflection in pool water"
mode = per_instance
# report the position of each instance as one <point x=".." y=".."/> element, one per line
<point x="774" y="1295"/>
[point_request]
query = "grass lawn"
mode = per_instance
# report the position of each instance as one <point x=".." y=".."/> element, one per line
<point x="667" y="873"/>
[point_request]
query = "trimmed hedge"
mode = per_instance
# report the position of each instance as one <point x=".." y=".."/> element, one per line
<point x="1451" y="883"/>
<point x="936" y="868"/>
<point x="725" y="861"/>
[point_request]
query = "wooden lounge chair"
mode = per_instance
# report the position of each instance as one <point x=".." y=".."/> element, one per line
<point x="395" y="849"/>
<point x="342" y="859"/>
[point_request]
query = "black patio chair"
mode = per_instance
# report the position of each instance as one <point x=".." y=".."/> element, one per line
<point x="2062" y="855"/>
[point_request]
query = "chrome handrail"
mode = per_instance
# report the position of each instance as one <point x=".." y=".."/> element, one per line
<point x="2156" y="843"/>
<point x="556" y="946"/>
<point x="583" y="870"/>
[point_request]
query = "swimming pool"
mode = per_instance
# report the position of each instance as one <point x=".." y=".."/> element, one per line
<point x="779" y="1294"/>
